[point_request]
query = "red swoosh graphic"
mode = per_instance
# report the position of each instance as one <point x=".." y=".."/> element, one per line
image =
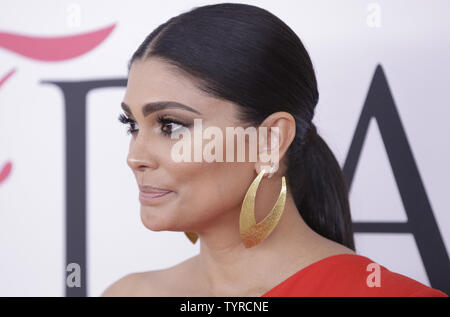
<point x="5" y="78"/>
<point x="6" y="170"/>
<point x="54" y="48"/>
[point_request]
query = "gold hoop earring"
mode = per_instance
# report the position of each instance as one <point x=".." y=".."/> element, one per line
<point x="251" y="232"/>
<point x="192" y="236"/>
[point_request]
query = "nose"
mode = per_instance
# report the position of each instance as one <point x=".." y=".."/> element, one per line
<point x="139" y="158"/>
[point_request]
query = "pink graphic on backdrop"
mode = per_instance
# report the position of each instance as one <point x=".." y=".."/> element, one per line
<point x="6" y="77"/>
<point x="48" y="49"/>
<point x="5" y="171"/>
<point x="52" y="49"/>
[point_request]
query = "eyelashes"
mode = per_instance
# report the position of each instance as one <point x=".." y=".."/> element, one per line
<point x="164" y="121"/>
<point x="130" y="122"/>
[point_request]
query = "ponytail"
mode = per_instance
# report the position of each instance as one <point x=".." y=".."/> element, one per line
<point x="319" y="188"/>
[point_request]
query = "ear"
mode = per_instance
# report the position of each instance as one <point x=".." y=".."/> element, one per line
<point x="275" y="135"/>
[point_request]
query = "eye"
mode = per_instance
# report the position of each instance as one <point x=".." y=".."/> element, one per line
<point x="168" y="125"/>
<point x="132" y="125"/>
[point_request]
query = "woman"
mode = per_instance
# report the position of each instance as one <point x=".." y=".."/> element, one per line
<point x="236" y="65"/>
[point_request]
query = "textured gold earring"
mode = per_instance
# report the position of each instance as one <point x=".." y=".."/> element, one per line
<point x="192" y="236"/>
<point x="251" y="232"/>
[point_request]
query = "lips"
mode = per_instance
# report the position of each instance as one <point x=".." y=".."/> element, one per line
<point x="146" y="189"/>
<point x="150" y="194"/>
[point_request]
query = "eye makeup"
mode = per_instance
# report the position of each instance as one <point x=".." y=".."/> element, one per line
<point x="167" y="124"/>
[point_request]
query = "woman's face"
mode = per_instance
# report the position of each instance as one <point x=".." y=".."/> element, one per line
<point x="201" y="193"/>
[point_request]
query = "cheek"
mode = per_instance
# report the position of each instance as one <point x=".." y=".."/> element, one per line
<point x="207" y="190"/>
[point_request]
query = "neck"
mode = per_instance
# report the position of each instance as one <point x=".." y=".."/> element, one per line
<point x="228" y="268"/>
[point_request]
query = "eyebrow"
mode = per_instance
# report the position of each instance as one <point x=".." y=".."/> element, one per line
<point x="159" y="105"/>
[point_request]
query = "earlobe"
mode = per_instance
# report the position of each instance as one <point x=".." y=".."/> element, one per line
<point x="273" y="168"/>
<point x="270" y="170"/>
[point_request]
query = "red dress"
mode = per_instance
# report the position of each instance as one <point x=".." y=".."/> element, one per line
<point x="349" y="275"/>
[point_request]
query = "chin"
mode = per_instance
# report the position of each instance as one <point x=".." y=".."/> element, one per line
<point x="156" y="218"/>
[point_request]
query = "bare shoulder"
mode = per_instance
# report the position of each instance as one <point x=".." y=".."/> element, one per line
<point x="157" y="283"/>
<point x="129" y="285"/>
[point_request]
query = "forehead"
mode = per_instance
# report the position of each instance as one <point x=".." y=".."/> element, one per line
<point x="153" y="76"/>
<point x="153" y="80"/>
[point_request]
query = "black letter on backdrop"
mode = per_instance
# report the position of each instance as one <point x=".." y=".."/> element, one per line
<point x="75" y="118"/>
<point x="421" y="223"/>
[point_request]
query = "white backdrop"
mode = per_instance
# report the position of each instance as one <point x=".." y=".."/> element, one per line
<point x="346" y="40"/>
